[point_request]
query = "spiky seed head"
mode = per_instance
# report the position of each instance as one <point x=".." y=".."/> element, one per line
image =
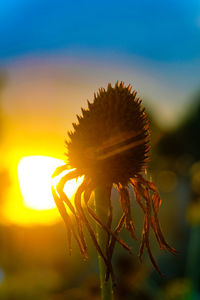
<point x="110" y="142"/>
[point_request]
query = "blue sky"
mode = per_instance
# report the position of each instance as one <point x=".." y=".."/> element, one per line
<point x="152" y="44"/>
<point x="167" y="30"/>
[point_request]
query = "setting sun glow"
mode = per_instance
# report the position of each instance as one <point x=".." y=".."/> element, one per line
<point x="34" y="174"/>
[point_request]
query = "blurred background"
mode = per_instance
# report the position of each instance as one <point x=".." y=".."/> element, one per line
<point x="53" y="56"/>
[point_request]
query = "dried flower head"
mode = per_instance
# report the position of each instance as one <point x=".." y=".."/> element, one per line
<point x="110" y="146"/>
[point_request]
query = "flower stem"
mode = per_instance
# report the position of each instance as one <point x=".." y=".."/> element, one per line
<point x="102" y="212"/>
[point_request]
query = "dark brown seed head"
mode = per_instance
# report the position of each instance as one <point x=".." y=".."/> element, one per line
<point x="110" y="142"/>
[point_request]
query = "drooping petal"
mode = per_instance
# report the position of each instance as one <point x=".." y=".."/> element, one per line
<point x="107" y="229"/>
<point x="126" y="208"/>
<point x="59" y="170"/>
<point x="68" y="223"/>
<point x="142" y="189"/>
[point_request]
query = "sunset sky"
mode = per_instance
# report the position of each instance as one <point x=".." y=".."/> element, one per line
<point x="56" y="54"/>
<point x="154" y="45"/>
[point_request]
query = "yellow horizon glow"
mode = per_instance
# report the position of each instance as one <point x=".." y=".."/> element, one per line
<point x="34" y="175"/>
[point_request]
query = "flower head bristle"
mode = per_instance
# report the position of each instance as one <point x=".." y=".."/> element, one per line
<point x="113" y="131"/>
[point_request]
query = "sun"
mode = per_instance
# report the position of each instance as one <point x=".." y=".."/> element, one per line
<point x="34" y="175"/>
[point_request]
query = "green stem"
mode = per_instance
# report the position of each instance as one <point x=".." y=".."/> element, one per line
<point x="101" y="201"/>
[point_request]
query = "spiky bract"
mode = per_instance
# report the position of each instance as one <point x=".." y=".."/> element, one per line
<point x="111" y="140"/>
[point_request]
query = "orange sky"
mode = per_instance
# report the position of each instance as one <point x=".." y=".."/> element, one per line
<point x="43" y="96"/>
